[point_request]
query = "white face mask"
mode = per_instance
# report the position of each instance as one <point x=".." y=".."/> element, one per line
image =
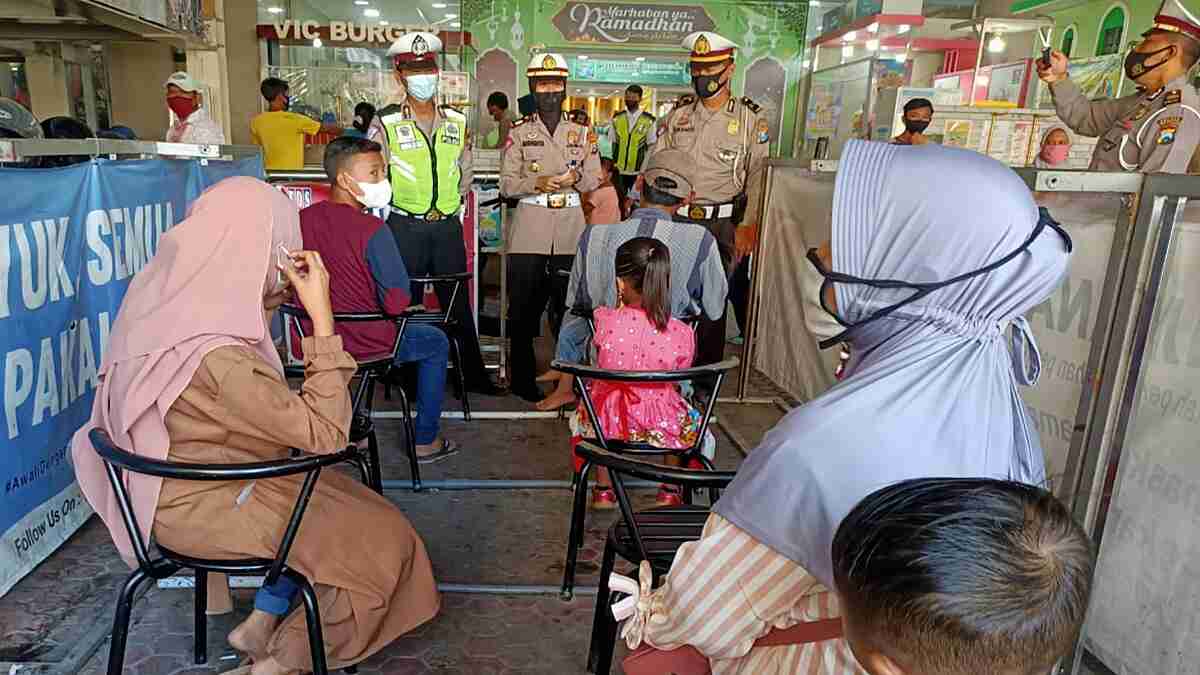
<point x="817" y="319"/>
<point x="422" y="87"/>
<point x="375" y="195"/>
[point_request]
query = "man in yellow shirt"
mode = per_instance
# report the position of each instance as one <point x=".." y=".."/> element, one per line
<point x="281" y="133"/>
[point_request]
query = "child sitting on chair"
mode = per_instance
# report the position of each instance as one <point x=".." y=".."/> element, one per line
<point x="640" y="335"/>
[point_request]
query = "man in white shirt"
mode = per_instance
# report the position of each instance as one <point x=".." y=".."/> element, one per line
<point x="192" y="122"/>
<point x="631" y="135"/>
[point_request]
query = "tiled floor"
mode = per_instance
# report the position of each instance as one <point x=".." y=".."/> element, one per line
<point x="57" y="619"/>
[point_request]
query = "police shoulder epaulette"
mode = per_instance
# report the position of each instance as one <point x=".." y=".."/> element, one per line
<point x="686" y="99"/>
<point x="1174" y="96"/>
<point x="388" y="110"/>
<point x="519" y="122"/>
<point x="451" y="110"/>
<point x="754" y="107"/>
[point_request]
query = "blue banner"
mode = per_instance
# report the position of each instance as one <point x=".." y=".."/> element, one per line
<point x="71" y="240"/>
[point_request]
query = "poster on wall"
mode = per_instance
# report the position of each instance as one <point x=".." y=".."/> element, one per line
<point x="765" y="84"/>
<point x="958" y="133"/>
<point x="630" y="23"/>
<point x="824" y="109"/>
<point x="1098" y="77"/>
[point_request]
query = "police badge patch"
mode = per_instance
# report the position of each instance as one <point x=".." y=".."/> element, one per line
<point x="1167" y="127"/>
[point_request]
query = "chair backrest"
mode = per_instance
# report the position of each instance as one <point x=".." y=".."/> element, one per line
<point x="454" y="282"/>
<point x="295" y="316"/>
<point x="691" y="320"/>
<point x="620" y="467"/>
<point x="715" y="372"/>
<point x="117" y="460"/>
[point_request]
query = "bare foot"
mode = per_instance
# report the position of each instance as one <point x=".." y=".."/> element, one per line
<point x="548" y="376"/>
<point x="251" y="636"/>
<point x="556" y="400"/>
<point x="269" y="666"/>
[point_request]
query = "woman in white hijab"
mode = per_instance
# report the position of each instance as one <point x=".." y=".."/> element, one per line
<point x="927" y="280"/>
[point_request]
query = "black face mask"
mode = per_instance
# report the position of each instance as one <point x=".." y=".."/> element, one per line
<point x="915" y="126"/>
<point x="1135" y="63"/>
<point x="632" y="106"/>
<point x="549" y="102"/>
<point x="919" y="290"/>
<point x="707" y="86"/>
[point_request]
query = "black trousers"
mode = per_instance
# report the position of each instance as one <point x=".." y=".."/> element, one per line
<point x="710" y="335"/>
<point x="433" y="248"/>
<point x="628" y="181"/>
<point x="739" y="293"/>
<point x="533" y="281"/>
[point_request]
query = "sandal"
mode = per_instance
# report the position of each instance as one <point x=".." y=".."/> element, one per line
<point x="448" y="449"/>
<point x="669" y="495"/>
<point x="604" y="499"/>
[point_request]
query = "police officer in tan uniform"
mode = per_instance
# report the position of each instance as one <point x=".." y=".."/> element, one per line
<point x="547" y="162"/>
<point x="729" y="141"/>
<point x="1155" y="130"/>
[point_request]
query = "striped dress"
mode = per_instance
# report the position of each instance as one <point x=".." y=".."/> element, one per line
<point x="727" y="590"/>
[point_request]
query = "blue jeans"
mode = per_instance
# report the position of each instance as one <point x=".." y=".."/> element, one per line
<point x="276" y="599"/>
<point x="573" y="339"/>
<point x="430" y="348"/>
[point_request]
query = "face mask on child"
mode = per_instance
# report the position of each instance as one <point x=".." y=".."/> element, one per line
<point x="375" y="195"/>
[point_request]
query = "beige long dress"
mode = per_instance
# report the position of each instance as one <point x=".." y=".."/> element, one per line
<point x="369" y="567"/>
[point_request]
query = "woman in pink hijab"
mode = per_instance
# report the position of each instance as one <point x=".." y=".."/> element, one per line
<point x="191" y="375"/>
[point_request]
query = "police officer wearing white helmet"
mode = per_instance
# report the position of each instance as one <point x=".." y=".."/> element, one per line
<point x="428" y="156"/>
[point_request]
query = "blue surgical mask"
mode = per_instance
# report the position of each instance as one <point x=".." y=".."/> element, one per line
<point x="421" y="87"/>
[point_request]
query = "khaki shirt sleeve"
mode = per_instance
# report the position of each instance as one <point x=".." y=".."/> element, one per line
<point x="259" y="404"/>
<point x="756" y="176"/>
<point x="1172" y="152"/>
<point x="513" y="181"/>
<point x="375" y="132"/>
<point x="664" y="139"/>
<point x="590" y="173"/>
<point x="1090" y="118"/>
<point x="466" y="168"/>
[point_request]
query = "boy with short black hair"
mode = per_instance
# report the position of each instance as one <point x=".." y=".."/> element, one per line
<point x="946" y="576"/>
<point x="281" y="133"/>
<point x="367" y="274"/>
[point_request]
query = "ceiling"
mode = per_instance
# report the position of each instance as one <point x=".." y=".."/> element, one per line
<point x="443" y="13"/>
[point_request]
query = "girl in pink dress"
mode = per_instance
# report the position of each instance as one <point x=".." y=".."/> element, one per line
<point x="640" y="335"/>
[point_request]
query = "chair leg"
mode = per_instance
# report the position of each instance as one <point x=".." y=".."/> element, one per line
<point x="375" y="468"/>
<point x="120" y="631"/>
<point x="604" y="626"/>
<point x="312" y="618"/>
<point x="410" y="441"/>
<point x="200" y="630"/>
<point x="464" y="396"/>
<point x="575" y="538"/>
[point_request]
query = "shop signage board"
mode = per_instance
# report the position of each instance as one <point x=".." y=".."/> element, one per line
<point x="654" y="73"/>
<point x="345" y="32"/>
<point x="630" y="23"/>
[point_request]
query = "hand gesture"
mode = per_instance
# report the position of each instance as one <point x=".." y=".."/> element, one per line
<point x="1057" y="70"/>
<point x="745" y="238"/>
<point x="308" y="276"/>
<point x="547" y="184"/>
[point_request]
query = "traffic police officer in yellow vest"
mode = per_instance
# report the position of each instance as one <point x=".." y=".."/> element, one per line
<point x="729" y="140"/>
<point x="428" y="156"/>
<point x="1155" y="130"/>
<point x="631" y="135"/>
<point x="546" y="163"/>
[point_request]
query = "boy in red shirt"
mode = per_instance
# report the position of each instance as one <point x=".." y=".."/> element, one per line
<point x="367" y="274"/>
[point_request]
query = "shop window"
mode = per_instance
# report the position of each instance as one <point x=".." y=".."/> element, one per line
<point x="1112" y="31"/>
<point x="1068" y="41"/>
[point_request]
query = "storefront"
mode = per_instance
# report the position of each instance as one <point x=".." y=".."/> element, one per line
<point x="611" y="45"/>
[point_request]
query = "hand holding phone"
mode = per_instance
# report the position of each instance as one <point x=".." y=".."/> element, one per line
<point x="1046" y="58"/>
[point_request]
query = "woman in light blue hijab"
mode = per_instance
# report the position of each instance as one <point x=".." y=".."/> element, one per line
<point x="936" y="254"/>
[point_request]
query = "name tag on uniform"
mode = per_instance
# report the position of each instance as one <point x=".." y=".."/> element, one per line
<point x="410" y="145"/>
<point x="406" y="133"/>
<point x="727" y="155"/>
<point x="450" y="135"/>
<point x="533" y="144"/>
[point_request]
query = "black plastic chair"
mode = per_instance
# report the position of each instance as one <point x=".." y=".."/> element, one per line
<point x="692" y="320"/>
<point x="167" y="563"/>
<point x="444" y="318"/>
<point x="370" y="370"/>
<point x="583" y="374"/>
<point x="653" y="535"/>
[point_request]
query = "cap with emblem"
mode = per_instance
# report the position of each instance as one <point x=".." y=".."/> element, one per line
<point x="665" y="172"/>
<point x="415" y="47"/>
<point x="183" y="81"/>
<point x="1173" y="17"/>
<point x="709" y="47"/>
<point x="548" y="65"/>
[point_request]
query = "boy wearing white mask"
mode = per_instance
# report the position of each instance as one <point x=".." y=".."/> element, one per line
<point x="367" y="274"/>
<point x="428" y="158"/>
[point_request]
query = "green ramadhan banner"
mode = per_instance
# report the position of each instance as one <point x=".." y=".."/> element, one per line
<point x="625" y="71"/>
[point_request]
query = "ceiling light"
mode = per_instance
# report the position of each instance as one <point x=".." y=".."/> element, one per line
<point x="814" y="3"/>
<point x="371" y="13"/>
<point x="584" y="57"/>
<point x="640" y="59"/>
<point x="849" y="37"/>
<point x="275" y="10"/>
<point x="872" y="45"/>
<point x="383" y="22"/>
<point x="438" y="5"/>
<point x="903" y="28"/>
<point x="455" y="24"/>
<point x="451" y="16"/>
<point x="996" y="44"/>
<point x="317" y="43"/>
<point x="361" y="3"/>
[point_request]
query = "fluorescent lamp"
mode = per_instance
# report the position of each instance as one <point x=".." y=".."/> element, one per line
<point x="996" y="45"/>
<point x="455" y="24"/>
<point x="584" y="57"/>
<point x="317" y="43"/>
<point x="451" y="16"/>
<point x="640" y="59"/>
<point x="275" y="10"/>
<point x="383" y="22"/>
<point x="361" y="3"/>
<point x="438" y="5"/>
<point x="371" y="13"/>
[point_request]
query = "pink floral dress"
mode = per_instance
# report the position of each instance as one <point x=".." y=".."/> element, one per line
<point x="656" y="414"/>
